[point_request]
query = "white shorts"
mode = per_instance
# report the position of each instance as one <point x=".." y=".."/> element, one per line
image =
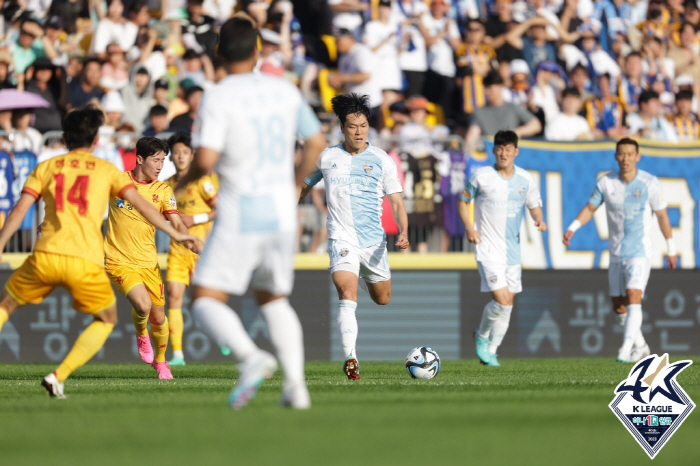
<point x="371" y="264"/>
<point x="495" y="276"/>
<point x="231" y="262"/>
<point x="632" y="274"/>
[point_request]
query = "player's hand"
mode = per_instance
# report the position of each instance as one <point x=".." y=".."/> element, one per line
<point x="473" y="236"/>
<point x="191" y="242"/>
<point x="541" y="226"/>
<point x="568" y="234"/>
<point x="402" y="241"/>
<point x="188" y="220"/>
<point x="672" y="262"/>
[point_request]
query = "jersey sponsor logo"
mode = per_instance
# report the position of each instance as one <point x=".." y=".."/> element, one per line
<point x="124" y="205"/>
<point x="368" y="168"/>
<point x="521" y="190"/>
<point x="637" y="193"/>
<point x="120" y="203"/>
<point x="651" y="404"/>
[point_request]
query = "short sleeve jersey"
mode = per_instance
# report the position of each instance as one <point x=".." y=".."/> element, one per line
<point x="498" y="211"/>
<point x="130" y="237"/>
<point x="355" y="189"/>
<point x="76" y="188"/>
<point x="629" y="208"/>
<point x="195" y="198"/>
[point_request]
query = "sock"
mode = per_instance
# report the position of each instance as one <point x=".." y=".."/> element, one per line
<point x="488" y="318"/>
<point x="287" y="338"/>
<point x="633" y="326"/>
<point x="500" y="327"/>
<point x="347" y="324"/>
<point x="621" y="318"/>
<point x="88" y="343"/>
<point x="160" y="334"/>
<point x="639" y="341"/>
<point x="176" y="329"/>
<point x="140" y="323"/>
<point x="3" y="317"/>
<point x="224" y="326"/>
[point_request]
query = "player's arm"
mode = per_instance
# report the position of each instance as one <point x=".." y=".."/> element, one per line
<point x="665" y="225"/>
<point x="538" y="217"/>
<point x="399" y="210"/>
<point x="581" y="219"/>
<point x="463" y="210"/>
<point x="303" y="191"/>
<point x="313" y="147"/>
<point x="14" y="219"/>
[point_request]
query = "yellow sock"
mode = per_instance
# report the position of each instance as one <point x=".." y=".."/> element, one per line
<point x="160" y="334"/>
<point x="4" y="316"/>
<point x="140" y="323"/>
<point x="88" y="343"/>
<point x="176" y="328"/>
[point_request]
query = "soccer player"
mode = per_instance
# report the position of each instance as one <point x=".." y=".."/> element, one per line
<point x="247" y="129"/>
<point x="357" y="176"/>
<point x="195" y="203"/>
<point x="631" y="198"/>
<point x="76" y="188"/>
<point x="499" y="193"/>
<point x="130" y="251"/>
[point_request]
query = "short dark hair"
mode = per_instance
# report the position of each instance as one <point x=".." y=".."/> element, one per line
<point x="350" y="104"/>
<point x="91" y="60"/>
<point x="579" y="67"/>
<point x="158" y="110"/>
<point x="505" y="137"/>
<point x="147" y="146"/>
<point x="626" y="141"/>
<point x="606" y="76"/>
<point x="633" y="54"/>
<point x="191" y="54"/>
<point x="570" y="92"/>
<point x="137" y="6"/>
<point x="191" y="90"/>
<point x="647" y="95"/>
<point x="492" y="78"/>
<point x="181" y="137"/>
<point x="685" y="94"/>
<point x="80" y="127"/>
<point x="238" y="38"/>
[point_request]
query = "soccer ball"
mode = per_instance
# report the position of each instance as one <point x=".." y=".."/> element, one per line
<point x="422" y="363"/>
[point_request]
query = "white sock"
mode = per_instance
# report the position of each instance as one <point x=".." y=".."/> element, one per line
<point x="500" y="327"/>
<point x="287" y="338"/>
<point x="621" y="318"/>
<point x="639" y="341"/>
<point x="347" y="325"/>
<point x="178" y="354"/>
<point x="633" y="326"/>
<point x="224" y="326"/>
<point x="488" y="318"/>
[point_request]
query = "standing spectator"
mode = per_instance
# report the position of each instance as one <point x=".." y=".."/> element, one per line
<point x="115" y="73"/>
<point x="381" y="36"/>
<point x="519" y="90"/>
<point x="606" y="113"/>
<point x="184" y="122"/>
<point x="580" y="79"/>
<point x="69" y="11"/>
<point x="686" y="56"/>
<point x="114" y="108"/>
<point x="28" y="47"/>
<point x="412" y="54"/>
<point x="632" y="83"/>
<point x="81" y="91"/>
<point x="357" y="73"/>
<point x="42" y="83"/>
<point x="56" y="49"/>
<point x="548" y="84"/>
<point x="474" y="62"/>
<point x="497" y="28"/>
<point x="685" y="122"/>
<point x="535" y="47"/>
<point x="24" y="136"/>
<point x="271" y="60"/>
<point x="160" y="93"/>
<point x="647" y="123"/>
<point x="196" y="67"/>
<point x="568" y="125"/>
<point x="113" y="29"/>
<point x="198" y="29"/>
<point x="158" y="121"/>
<point x="138" y="97"/>
<point x="442" y="40"/>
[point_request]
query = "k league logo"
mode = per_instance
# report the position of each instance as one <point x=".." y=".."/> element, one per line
<point x="651" y="404"/>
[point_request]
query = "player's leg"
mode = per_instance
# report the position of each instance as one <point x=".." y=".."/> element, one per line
<point x="140" y="309"/>
<point x="494" y="280"/>
<point x="635" y="275"/>
<point x="375" y="273"/>
<point x="27" y="284"/>
<point x="8" y="305"/>
<point x="176" y="293"/>
<point x="160" y="329"/>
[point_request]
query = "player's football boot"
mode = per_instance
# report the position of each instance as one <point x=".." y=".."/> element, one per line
<point x="640" y="353"/>
<point x="352" y="368"/>
<point x="296" y="398"/>
<point x="177" y="361"/>
<point x="482" y="349"/>
<point x="624" y="356"/>
<point x="253" y="372"/>
<point x="163" y="370"/>
<point x="494" y="360"/>
<point x="52" y="385"/>
<point x="225" y="350"/>
<point x="145" y="348"/>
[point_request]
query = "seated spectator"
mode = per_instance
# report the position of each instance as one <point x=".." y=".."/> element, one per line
<point x="632" y="82"/>
<point x="184" y="122"/>
<point x="160" y="92"/>
<point x="473" y="64"/>
<point x="158" y="121"/>
<point x="412" y="53"/>
<point x="196" y="67"/>
<point x="581" y="81"/>
<point x="686" y="56"/>
<point x="647" y="123"/>
<point x="24" y="136"/>
<point x="138" y="97"/>
<point x="42" y="82"/>
<point x="115" y="72"/>
<point x="685" y="122"/>
<point x="271" y="60"/>
<point x="83" y="90"/>
<point x="519" y="90"/>
<point x="55" y="45"/>
<point x="28" y="47"/>
<point x="568" y="125"/>
<point x="497" y="28"/>
<point x="548" y="84"/>
<point x="534" y="47"/>
<point x="416" y="137"/>
<point x="348" y="14"/>
<point x="126" y="145"/>
<point x="114" y="108"/>
<point x="113" y="29"/>
<point x="605" y="113"/>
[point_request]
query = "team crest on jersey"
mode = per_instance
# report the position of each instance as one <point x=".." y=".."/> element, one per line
<point x="120" y="280"/>
<point x="650" y="403"/>
<point x="493" y="279"/>
<point x="155" y="198"/>
<point x="208" y="187"/>
<point x="173" y="202"/>
<point x="344" y="252"/>
<point x="637" y="193"/>
<point x="521" y="190"/>
<point x="368" y="167"/>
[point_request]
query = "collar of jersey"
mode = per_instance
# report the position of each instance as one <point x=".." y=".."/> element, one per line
<point x="359" y="153"/>
<point x="131" y="175"/>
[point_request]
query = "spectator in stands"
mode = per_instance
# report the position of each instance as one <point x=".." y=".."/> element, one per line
<point x="158" y="121"/>
<point x="24" y="136"/>
<point x="519" y="90"/>
<point x="272" y="60"/>
<point x="198" y="29"/>
<point x="160" y="92"/>
<point x="412" y="53"/>
<point x="548" y="84"/>
<point x="534" y="47"/>
<point x="357" y="72"/>
<point x="632" y="83"/>
<point x="580" y="79"/>
<point x="655" y="61"/>
<point x="115" y="72"/>
<point x="184" y="122"/>
<point x="83" y="90"/>
<point x="114" y="108"/>
<point x="605" y="113"/>
<point x="647" y="123"/>
<point x="197" y="67"/>
<point x="381" y="36"/>
<point x="498" y="115"/>
<point x="685" y="122"/>
<point x="568" y="125"/>
<point x="416" y="137"/>
<point x="69" y="11"/>
<point x="348" y="14"/>
<point x="5" y="65"/>
<point x="28" y="48"/>
<point x="56" y="49"/>
<point x="474" y="63"/>
<point x="138" y="97"/>
<point x="685" y="55"/>
<point x="497" y="28"/>
<point x="42" y="82"/>
<point x="113" y="29"/>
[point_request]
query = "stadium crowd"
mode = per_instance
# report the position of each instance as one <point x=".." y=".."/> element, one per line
<point x="440" y="74"/>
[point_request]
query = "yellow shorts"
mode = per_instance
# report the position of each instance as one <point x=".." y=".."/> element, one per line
<point x="126" y="277"/>
<point x="180" y="268"/>
<point x="42" y="272"/>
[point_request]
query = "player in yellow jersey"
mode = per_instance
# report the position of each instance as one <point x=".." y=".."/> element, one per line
<point x="130" y="251"/>
<point x="195" y="203"/>
<point x="75" y="187"/>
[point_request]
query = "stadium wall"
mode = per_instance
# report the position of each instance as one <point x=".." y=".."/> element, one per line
<point x="559" y="313"/>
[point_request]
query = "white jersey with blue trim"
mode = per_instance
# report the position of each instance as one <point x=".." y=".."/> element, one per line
<point x="498" y="211"/>
<point x="253" y="121"/>
<point x="355" y="188"/>
<point x="629" y="207"/>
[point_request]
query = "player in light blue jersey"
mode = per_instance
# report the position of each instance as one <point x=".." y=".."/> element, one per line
<point x="247" y="129"/>
<point x="357" y="176"/>
<point x="632" y="197"/>
<point x="499" y="193"/>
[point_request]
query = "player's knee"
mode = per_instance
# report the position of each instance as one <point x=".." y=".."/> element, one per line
<point x="383" y="298"/>
<point x="143" y="306"/>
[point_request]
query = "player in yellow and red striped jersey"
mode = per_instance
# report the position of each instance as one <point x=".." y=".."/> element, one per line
<point x="196" y="204"/>
<point x="75" y="187"/>
<point x="130" y="251"/>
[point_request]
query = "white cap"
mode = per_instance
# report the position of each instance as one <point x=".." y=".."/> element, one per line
<point x="684" y="80"/>
<point x="519" y="66"/>
<point x="268" y="35"/>
<point x="113" y="102"/>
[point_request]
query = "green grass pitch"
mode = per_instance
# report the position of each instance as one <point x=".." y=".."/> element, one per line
<point x="527" y="412"/>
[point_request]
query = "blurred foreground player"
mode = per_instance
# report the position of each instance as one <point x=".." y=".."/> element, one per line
<point x="357" y="176"/>
<point x="499" y="193"/>
<point x="76" y="188"/>
<point x="631" y="198"/>
<point x="247" y="128"/>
